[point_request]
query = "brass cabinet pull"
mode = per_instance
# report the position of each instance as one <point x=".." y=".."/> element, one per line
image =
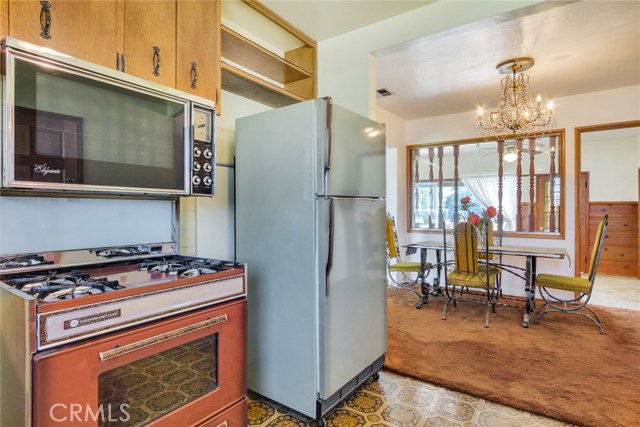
<point x="120" y="61"/>
<point x="139" y="345"/>
<point x="156" y="61"/>
<point x="194" y="75"/>
<point x="45" y="19"/>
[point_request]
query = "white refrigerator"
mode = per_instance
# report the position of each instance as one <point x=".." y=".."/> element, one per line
<point x="310" y="223"/>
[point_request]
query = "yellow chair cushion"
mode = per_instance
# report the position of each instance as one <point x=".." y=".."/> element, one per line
<point x="472" y="280"/>
<point x="413" y="267"/>
<point x="565" y="283"/>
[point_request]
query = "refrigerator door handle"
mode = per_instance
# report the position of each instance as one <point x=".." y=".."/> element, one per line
<point x="330" y="251"/>
<point x="327" y="163"/>
<point x="320" y="196"/>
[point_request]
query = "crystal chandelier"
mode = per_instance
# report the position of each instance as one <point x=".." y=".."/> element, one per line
<point x="516" y="113"/>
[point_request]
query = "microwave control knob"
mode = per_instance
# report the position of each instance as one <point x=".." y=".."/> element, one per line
<point x="196" y="152"/>
<point x="207" y="167"/>
<point x="197" y="167"/>
<point x="207" y="181"/>
<point x="195" y="180"/>
<point x="208" y="154"/>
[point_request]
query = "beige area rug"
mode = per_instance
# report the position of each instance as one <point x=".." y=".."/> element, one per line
<point x="562" y="368"/>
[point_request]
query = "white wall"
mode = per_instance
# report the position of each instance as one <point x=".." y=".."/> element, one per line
<point x="613" y="167"/>
<point x="396" y="140"/>
<point x="616" y="105"/>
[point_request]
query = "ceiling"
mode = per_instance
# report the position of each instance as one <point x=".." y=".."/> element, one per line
<point x="578" y="47"/>
<point x="324" y="19"/>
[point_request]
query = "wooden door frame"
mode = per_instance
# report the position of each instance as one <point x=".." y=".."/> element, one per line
<point x="578" y="158"/>
<point x="584" y="222"/>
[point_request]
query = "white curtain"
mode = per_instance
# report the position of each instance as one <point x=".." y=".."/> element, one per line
<point x="485" y="191"/>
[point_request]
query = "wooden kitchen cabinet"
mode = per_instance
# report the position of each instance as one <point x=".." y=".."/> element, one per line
<point x="150" y="40"/>
<point x="198" y="48"/>
<point x="83" y="29"/>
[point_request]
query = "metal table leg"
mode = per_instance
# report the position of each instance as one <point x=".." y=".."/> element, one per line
<point x="423" y="277"/>
<point x="529" y="290"/>
<point x="437" y="290"/>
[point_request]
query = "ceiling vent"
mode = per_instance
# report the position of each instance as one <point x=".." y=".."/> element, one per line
<point x="384" y="92"/>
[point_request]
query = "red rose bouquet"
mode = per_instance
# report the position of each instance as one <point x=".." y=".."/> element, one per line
<point x="477" y="219"/>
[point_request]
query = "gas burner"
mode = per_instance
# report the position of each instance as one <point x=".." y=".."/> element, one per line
<point x="186" y="266"/>
<point x="22" y="261"/>
<point x="123" y="251"/>
<point x="55" y="287"/>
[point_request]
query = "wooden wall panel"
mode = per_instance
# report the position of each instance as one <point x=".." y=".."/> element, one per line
<point x="620" y="252"/>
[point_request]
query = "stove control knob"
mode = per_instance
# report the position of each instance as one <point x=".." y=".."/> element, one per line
<point x="208" y="154"/>
<point x="74" y="323"/>
<point x="207" y="167"/>
<point x="196" y="180"/>
<point x="197" y="167"/>
<point x="196" y="152"/>
<point x="207" y="181"/>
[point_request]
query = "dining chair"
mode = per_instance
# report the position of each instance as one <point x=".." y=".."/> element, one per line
<point x="404" y="274"/>
<point x="468" y="272"/>
<point x="576" y="285"/>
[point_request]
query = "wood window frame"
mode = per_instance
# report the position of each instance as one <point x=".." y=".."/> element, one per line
<point x="560" y="158"/>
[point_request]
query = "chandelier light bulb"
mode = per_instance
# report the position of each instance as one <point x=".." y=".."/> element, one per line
<point x="516" y="113"/>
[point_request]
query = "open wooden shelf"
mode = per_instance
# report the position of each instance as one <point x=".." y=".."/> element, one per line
<point x="246" y="85"/>
<point x="246" y="53"/>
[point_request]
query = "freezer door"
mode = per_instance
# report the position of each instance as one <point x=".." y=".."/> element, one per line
<point x="351" y="153"/>
<point x="353" y="319"/>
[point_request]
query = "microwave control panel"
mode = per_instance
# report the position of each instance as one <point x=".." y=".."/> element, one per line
<point x="204" y="153"/>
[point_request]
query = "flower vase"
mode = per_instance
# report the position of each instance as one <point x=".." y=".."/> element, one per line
<point x="482" y="237"/>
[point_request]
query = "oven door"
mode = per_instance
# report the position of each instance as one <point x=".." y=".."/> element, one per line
<point x="177" y="372"/>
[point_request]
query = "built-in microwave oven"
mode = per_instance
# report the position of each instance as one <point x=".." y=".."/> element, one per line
<point x="73" y="126"/>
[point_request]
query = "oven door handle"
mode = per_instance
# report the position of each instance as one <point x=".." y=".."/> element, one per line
<point x="139" y="345"/>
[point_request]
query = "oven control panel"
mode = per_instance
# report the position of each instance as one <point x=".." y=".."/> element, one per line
<point x="204" y="153"/>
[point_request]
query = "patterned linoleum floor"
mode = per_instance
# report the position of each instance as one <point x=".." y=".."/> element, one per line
<point x="396" y="401"/>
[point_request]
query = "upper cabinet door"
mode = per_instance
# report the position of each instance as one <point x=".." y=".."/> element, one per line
<point x="83" y="29"/>
<point x="150" y="40"/>
<point x="198" y="55"/>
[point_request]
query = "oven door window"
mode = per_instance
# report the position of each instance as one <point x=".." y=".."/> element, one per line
<point x="77" y="131"/>
<point x="149" y="388"/>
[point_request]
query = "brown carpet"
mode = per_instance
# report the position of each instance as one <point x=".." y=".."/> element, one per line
<point x="562" y="368"/>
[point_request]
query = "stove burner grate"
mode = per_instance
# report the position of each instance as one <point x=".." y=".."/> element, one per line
<point x="22" y="261"/>
<point x="55" y="287"/>
<point x="185" y="266"/>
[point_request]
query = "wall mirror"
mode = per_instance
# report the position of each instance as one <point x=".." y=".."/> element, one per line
<point x="522" y="177"/>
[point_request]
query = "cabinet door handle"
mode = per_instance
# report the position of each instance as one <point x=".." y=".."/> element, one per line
<point x="45" y="19"/>
<point x="156" y="61"/>
<point x="120" y="61"/>
<point x="194" y="75"/>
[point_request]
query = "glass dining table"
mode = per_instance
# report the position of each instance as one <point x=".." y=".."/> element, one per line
<point x="530" y="253"/>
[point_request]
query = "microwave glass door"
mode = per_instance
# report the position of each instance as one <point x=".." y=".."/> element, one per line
<point x="149" y="388"/>
<point x="79" y="131"/>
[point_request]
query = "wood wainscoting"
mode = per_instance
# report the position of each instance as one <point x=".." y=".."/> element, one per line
<point x="620" y="252"/>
